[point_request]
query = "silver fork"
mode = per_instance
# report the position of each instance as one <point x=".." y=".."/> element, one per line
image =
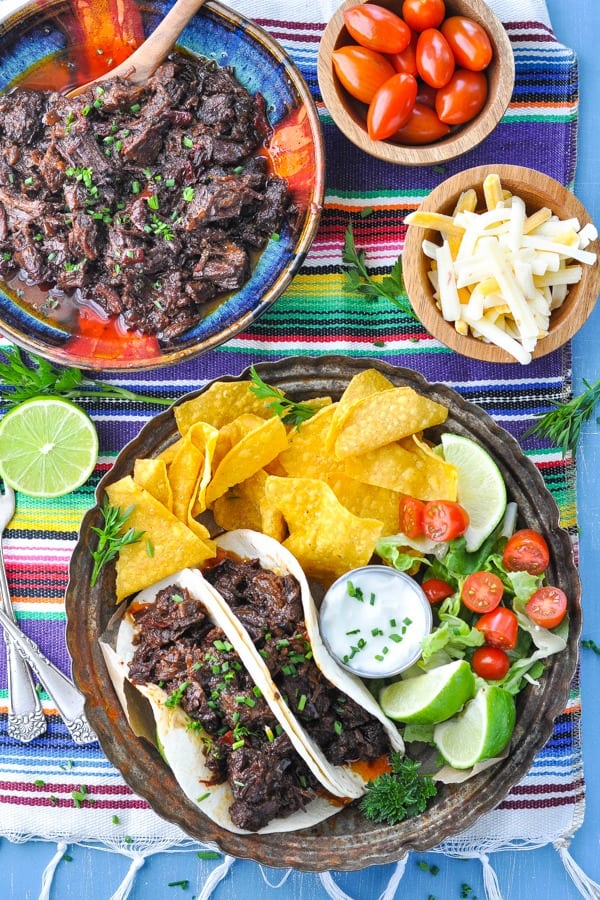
<point x="25" y="714"/>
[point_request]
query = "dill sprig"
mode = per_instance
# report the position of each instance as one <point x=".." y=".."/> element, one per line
<point x="563" y="424"/>
<point x="112" y="538"/>
<point x="289" y="411"/>
<point x="399" y="794"/>
<point x="25" y="375"/>
<point x="391" y="287"/>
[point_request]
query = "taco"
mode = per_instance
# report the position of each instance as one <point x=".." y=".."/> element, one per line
<point x="262" y="730"/>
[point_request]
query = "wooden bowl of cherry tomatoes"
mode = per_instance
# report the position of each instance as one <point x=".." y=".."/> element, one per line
<point x="416" y="82"/>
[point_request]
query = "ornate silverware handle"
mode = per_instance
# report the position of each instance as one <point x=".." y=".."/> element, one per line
<point x="67" y="699"/>
<point x="26" y="719"/>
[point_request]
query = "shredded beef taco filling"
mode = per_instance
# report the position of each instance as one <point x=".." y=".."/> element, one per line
<point x="147" y="201"/>
<point x="179" y="649"/>
<point x="270" y="608"/>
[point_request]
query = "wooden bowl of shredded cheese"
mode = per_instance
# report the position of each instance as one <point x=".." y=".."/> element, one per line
<point x="501" y="263"/>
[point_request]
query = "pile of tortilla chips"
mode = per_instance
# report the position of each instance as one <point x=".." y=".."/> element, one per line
<point x="327" y="489"/>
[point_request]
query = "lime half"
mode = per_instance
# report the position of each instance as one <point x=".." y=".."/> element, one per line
<point x="429" y="698"/>
<point x="481" y="731"/>
<point x="481" y="488"/>
<point x="48" y="447"/>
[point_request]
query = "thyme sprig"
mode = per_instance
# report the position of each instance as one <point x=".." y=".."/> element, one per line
<point x="563" y="425"/>
<point x="391" y="287"/>
<point x="25" y="375"/>
<point x="289" y="411"/>
<point x="111" y="537"/>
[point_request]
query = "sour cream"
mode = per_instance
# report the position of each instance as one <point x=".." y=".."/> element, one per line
<point x="373" y="619"/>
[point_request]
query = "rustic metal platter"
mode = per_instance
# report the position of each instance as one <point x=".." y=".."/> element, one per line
<point x="346" y="841"/>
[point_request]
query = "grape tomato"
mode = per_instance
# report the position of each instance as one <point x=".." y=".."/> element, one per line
<point x="547" y="606"/>
<point x="422" y="14"/>
<point x="410" y="516"/>
<point x="490" y="663"/>
<point x="423" y="127"/>
<point x="377" y="28"/>
<point x="482" y="591"/>
<point x="462" y="98"/>
<point x="526" y="551"/>
<point x="391" y="106"/>
<point x="361" y="71"/>
<point x="469" y="42"/>
<point x="499" y="627"/>
<point x="435" y="60"/>
<point x="444" y="520"/>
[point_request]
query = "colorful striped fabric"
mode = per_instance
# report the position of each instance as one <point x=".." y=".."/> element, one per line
<point x="316" y="316"/>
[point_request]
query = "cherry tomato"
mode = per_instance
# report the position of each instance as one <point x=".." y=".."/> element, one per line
<point x="410" y="516"/>
<point x="499" y="627"/>
<point x="377" y="28"/>
<point x="490" y="663"/>
<point x="462" y="98"/>
<point x="423" y="127"/>
<point x="469" y="42"/>
<point x="391" y="106"/>
<point x="422" y="14"/>
<point x="407" y="60"/>
<point x="482" y="592"/>
<point x="435" y="60"/>
<point x="435" y="589"/>
<point x="361" y="71"/>
<point x="444" y="520"/>
<point x="547" y="606"/>
<point x="526" y="551"/>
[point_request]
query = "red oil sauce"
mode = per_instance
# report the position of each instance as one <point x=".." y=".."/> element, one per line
<point x="370" y="769"/>
<point x="291" y="152"/>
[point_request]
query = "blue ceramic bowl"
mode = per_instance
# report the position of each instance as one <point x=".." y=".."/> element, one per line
<point x="31" y="34"/>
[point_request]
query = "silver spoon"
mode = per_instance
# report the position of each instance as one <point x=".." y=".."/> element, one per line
<point x="144" y="61"/>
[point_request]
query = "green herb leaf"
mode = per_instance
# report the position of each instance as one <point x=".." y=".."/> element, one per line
<point x="399" y="794"/>
<point x="24" y="375"/>
<point x="112" y="537"/>
<point x="589" y="644"/>
<point x="358" y="279"/>
<point x="290" y="412"/>
<point x="563" y="425"/>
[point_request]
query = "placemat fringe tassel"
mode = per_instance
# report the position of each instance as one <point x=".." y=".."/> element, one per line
<point x="122" y="892"/>
<point x="331" y="887"/>
<point x="490" y="880"/>
<point x="584" y="884"/>
<point x="48" y="873"/>
<point x="390" y="891"/>
<point x="217" y="875"/>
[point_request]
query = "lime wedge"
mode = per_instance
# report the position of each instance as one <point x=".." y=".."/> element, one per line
<point x="481" y="731"/>
<point x="48" y="447"/>
<point x="429" y="698"/>
<point x="481" y="488"/>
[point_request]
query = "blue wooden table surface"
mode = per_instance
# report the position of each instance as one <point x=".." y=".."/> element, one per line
<point x="96" y="875"/>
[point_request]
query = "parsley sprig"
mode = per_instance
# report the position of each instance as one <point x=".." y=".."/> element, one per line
<point x="399" y="794"/>
<point x="24" y="375"/>
<point x="112" y="538"/>
<point x="290" y="412"/>
<point x="563" y="425"/>
<point x="391" y="287"/>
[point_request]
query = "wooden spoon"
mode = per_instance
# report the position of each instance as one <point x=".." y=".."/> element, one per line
<point x="144" y="61"/>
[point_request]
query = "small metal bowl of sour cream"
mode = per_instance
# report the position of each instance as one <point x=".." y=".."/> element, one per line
<point x="372" y="620"/>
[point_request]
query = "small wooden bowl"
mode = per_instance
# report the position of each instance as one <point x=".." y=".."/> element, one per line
<point x="350" y="115"/>
<point x="536" y="190"/>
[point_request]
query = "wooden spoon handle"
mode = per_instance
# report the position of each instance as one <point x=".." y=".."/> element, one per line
<point x="144" y="61"/>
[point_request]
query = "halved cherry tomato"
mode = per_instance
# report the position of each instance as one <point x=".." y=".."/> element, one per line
<point x="407" y="60"/>
<point x="490" y="663"/>
<point x="526" y="551"/>
<point x="444" y="520"/>
<point x="435" y="60"/>
<point x="499" y="627"/>
<point x="423" y="127"/>
<point x="462" y="98"/>
<point x="435" y="589"/>
<point x="482" y="591"/>
<point x="422" y="14"/>
<point x="391" y="106"/>
<point x="377" y="28"/>
<point x="547" y="606"/>
<point x="469" y="42"/>
<point x="361" y="71"/>
<point x="410" y="516"/>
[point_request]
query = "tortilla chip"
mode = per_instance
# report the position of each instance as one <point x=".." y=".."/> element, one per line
<point x="324" y="536"/>
<point x="306" y="455"/>
<point x="166" y="546"/>
<point x="366" y="383"/>
<point x="151" y="474"/>
<point x="221" y="403"/>
<point x="239" y="507"/>
<point x="185" y="474"/>
<point x="384" y="417"/>
<point x="252" y="452"/>
<point x="204" y="438"/>
<point x="367" y="500"/>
